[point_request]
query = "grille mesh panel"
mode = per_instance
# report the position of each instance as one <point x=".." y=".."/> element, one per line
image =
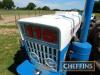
<point x="42" y="51"/>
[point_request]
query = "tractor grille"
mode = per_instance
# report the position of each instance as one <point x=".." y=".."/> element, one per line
<point x="42" y="51"/>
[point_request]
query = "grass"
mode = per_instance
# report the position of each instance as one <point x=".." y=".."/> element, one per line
<point x="97" y="14"/>
<point x="25" y="12"/>
<point x="9" y="45"/>
<point x="10" y="16"/>
<point x="29" y="12"/>
<point x="8" y="26"/>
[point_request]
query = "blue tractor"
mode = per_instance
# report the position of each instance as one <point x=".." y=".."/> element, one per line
<point x="49" y="40"/>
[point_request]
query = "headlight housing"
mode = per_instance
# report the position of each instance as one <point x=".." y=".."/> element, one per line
<point x="51" y="63"/>
<point x="34" y="57"/>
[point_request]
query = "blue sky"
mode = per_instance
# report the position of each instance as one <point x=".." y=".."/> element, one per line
<point x="61" y="4"/>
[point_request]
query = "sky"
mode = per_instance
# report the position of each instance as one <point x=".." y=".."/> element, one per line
<point x="53" y="4"/>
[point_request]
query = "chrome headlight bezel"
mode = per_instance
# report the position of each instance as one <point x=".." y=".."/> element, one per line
<point x="51" y="63"/>
<point x="34" y="57"/>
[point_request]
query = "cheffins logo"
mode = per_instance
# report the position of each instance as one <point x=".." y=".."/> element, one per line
<point x="78" y="66"/>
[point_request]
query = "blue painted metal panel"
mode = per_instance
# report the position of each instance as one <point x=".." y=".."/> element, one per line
<point x="63" y="52"/>
<point x="26" y="68"/>
<point x="86" y="20"/>
<point x="81" y="51"/>
<point x="62" y="58"/>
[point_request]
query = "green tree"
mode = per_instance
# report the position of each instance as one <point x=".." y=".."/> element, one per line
<point x="8" y="4"/>
<point x="97" y="6"/>
<point x="56" y="9"/>
<point x="31" y="6"/>
<point x="39" y="8"/>
<point x="45" y="8"/>
<point x="1" y="5"/>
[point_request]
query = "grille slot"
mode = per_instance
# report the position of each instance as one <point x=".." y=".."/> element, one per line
<point x="42" y="51"/>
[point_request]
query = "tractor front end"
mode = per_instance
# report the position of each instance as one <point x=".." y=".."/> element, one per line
<point x="47" y="40"/>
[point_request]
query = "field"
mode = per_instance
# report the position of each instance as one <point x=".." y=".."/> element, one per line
<point x="9" y="45"/>
<point x="9" y="17"/>
<point x="98" y="14"/>
<point x="9" y="36"/>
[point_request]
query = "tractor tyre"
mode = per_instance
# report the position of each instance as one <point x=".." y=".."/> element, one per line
<point x="94" y="39"/>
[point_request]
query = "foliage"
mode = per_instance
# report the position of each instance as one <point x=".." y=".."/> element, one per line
<point x="8" y="4"/>
<point x="31" y="6"/>
<point x="56" y="9"/>
<point x="39" y="8"/>
<point x="45" y="8"/>
<point x="97" y="6"/>
<point x="1" y="5"/>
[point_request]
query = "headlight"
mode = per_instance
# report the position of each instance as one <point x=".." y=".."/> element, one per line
<point x="34" y="57"/>
<point x="51" y="63"/>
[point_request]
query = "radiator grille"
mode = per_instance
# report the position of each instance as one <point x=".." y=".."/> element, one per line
<point x="42" y="51"/>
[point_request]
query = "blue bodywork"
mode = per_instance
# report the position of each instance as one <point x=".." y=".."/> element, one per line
<point x="86" y="20"/>
<point x="81" y="51"/>
<point x="26" y="68"/>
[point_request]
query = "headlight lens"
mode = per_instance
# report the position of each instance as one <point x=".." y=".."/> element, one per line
<point x="51" y="63"/>
<point x="34" y="57"/>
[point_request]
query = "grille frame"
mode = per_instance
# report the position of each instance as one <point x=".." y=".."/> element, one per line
<point x="43" y="62"/>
